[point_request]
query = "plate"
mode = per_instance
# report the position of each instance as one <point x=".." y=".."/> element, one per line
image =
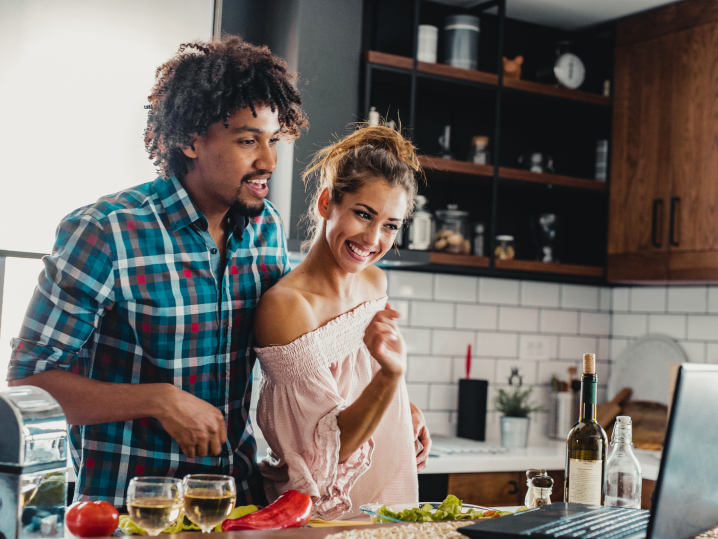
<point x="372" y="509"/>
<point x="644" y="366"/>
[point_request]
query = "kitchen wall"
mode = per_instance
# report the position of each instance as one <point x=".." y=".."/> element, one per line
<point x="541" y="328"/>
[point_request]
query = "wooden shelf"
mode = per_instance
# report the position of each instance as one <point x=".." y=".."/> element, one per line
<point x="459" y="260"/>
<point x="471" y="75"/>
<point x="556" y="91"/>
<point x="542" y="267"/>
<point x="457" y="167"/>
<point x="481" y="77"/>
<point x="391" y="60"/>
<point x="552" y="179"/>
<point x="465" y="168"/>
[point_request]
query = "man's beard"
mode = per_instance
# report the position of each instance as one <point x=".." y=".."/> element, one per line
<point x="253" y="210"/>
<point x="241" y="208"/>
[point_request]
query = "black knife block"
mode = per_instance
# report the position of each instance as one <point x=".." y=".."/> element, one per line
<point x="472" y="409"/>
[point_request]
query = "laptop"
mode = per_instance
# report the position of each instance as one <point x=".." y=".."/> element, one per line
<point x="685" y="500"/>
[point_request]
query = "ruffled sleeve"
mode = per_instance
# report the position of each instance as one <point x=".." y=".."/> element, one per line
<point x="304" y="388"/>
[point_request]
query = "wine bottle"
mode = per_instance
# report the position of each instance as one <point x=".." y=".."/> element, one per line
<point x="586" y="446"/>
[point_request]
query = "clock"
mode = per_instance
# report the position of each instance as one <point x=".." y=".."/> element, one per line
<point x="564" y="68"/>
<point x="569" y="70"/>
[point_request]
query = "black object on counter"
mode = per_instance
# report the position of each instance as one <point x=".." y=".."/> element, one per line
<point x="472" y="409"/>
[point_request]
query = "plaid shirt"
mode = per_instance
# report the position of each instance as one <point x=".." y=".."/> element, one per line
<point x="132" y="294"/>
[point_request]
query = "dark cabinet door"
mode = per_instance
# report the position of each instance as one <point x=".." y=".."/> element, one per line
<point x="493" y="489"/>
<point x="693" y="206"/>
<point x="641" y="162"/>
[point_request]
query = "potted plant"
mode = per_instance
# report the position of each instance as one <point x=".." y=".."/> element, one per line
<point x="515" y="407"/>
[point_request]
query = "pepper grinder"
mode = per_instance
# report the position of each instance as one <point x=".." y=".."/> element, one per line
<point x="542" y="485"/>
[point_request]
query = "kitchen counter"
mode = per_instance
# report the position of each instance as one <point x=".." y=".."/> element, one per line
<point x="548" y="456"/>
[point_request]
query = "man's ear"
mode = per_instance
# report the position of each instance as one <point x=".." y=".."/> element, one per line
<point x="323" y="203"/>
<point x="189" y="150"/>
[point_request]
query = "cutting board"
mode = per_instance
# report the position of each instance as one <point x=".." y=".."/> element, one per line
<point x="649" y="421"/>
<point x="606" y="412"/>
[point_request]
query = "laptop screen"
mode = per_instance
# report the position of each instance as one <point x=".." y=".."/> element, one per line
<point x="686" y="499"/>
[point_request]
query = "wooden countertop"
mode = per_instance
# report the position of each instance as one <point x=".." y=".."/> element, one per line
<point x="295" y="533"/>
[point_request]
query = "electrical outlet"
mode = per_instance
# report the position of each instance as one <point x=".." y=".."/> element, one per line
<point x="534" y="347"/>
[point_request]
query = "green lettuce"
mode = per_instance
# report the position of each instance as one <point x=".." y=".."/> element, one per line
<point x="449" y="509"/>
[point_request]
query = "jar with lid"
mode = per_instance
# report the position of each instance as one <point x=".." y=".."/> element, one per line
<point x="453" y="231"/>
<point x="504" y="248"/>
<point x="422" y="226"/>
<point x="479" y="152"/>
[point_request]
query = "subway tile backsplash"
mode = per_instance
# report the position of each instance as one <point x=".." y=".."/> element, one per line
<point x="540" y="328"/>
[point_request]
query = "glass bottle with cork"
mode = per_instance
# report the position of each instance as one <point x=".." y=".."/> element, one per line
<point x="586" y="446"/>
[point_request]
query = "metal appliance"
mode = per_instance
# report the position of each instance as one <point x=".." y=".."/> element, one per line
<point x="33" y="464"/>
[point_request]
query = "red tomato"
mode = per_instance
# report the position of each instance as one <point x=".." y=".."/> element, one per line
<point x="92" y="519"/>
<point x="490" y="513"/>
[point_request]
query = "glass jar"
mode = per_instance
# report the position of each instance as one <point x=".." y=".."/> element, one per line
<point x="421" y="227"/>
<point x="452" y="235"/>
<point x="504" y="248"/>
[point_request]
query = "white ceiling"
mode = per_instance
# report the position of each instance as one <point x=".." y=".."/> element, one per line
<point x="569" y="14"/>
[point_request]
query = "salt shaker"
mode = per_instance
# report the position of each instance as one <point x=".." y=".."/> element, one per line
<point x="542" y="485"/>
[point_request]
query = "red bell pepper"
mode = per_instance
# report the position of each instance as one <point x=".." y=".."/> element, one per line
<point x="291" y="510"/>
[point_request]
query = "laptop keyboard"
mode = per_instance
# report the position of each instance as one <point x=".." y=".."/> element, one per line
<point x="615" y="524"/>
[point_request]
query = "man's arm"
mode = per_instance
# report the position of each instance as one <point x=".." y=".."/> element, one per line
<point x="73" y="293"/>
<point x="197" y="426"/>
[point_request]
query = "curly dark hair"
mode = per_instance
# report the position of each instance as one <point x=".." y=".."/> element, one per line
<point x="205" y="83"/>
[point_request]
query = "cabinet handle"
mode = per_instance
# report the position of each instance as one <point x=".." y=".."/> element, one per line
<point x="654" y="222"/>
<point x="672" y="230"/>
<point x="514" y="487"/>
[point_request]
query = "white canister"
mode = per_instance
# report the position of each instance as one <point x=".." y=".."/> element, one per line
<point x="428" y="43"/>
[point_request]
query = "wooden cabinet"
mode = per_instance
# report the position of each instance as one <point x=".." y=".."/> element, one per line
<point x="663" y="223"/>
<point x="640" y="171"/>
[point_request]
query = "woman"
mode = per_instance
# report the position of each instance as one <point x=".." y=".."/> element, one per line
<point x="333" y="404"/>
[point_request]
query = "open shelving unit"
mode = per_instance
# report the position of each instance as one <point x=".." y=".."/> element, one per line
<point x="519" y="116"/>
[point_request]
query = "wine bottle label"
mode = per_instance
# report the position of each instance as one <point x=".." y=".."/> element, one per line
<point x="584" y="484"/>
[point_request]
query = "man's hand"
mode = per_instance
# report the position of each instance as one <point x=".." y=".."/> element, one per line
<point x="197" y="426"/>
<point x="421" y="433"/>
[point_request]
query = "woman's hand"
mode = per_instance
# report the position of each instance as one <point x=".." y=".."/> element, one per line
<point x="385" y="343"/>
<point x="421" y="433"/>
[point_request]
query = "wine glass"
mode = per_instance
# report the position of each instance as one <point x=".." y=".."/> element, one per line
<point x="154" y="503"/>
<point x="208" y="499"/>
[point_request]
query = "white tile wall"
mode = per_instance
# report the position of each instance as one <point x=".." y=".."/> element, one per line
<point x="540" y="328"/>
<point x="579" y="297"/>
<point x="501" y="291"/>
<point x="687" y="299"/>
<point x="650" y="299"/>
<point x="540" y="294"/>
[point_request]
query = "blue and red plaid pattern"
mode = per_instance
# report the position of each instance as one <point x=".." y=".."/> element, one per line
<point x="129" y="296"/>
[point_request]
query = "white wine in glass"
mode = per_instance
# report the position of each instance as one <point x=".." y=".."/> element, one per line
<point x="209" y="499"/>
<point x="154" y="503"/>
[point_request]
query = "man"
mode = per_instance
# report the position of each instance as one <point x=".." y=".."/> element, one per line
<point x="141" y="323"/>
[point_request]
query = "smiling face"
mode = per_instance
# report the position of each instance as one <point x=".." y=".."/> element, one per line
<point x="362" y="227"/>
<point x="231" y="167"/>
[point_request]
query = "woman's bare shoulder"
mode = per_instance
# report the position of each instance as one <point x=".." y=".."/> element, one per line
<point x="375" y="280"/>
<point x="283" y="315"/>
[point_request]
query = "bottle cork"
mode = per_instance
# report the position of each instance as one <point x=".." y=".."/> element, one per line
<point x="589" y="363"/>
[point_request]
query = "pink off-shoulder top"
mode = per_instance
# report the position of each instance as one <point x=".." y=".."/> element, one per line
<point x="305" y="385"/>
